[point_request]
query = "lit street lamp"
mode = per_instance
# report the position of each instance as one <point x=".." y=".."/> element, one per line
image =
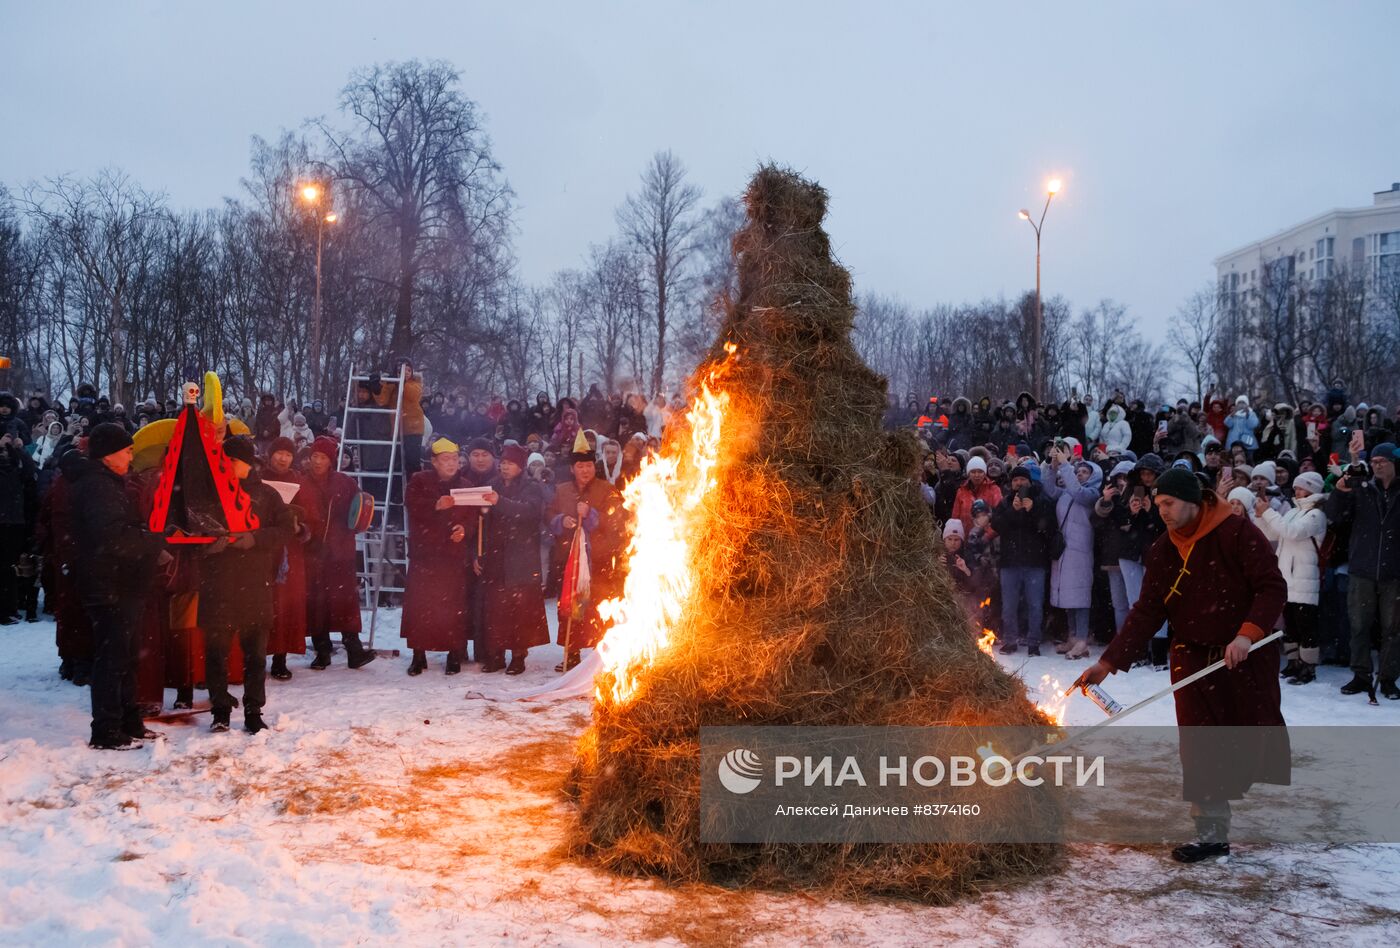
<point x="311" y="194"/>
<point x="1052" y="188"/>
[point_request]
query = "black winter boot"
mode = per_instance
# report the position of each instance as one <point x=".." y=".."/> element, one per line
<point x="1359" y="684"/>
<point x="321" y="662"/>
<point x="221" y="718"/>
<point x="419" y="663"/>
<point x="280" y="671"/>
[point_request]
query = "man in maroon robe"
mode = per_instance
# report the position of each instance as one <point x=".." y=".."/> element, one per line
<point x="332" y="592"/>
<point x="435" y="613"/>
<point x="1215" y="579"/>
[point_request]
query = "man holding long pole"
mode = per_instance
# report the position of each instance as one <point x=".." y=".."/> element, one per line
<point x="1214" y="578"/>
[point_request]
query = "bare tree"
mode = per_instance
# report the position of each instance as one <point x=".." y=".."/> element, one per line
<point x="106" y="226"/>
<point x="419" y="150"/>
<point x="613" y="296"/>
<point x="660" y="222"/>
<point x="1193" y="331"/>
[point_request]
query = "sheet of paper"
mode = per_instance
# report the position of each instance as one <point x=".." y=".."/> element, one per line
<point x="470" y="496"/>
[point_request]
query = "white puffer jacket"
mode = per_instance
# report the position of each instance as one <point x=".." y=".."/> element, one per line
<point x="1116" y="434"/>
<point x="1299" y="534"/>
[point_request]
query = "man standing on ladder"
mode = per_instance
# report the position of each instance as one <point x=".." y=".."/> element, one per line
<point x="1215" y="579"/>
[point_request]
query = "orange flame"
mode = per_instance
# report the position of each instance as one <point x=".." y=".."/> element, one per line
<point x="665" y="500"/>
<point x="987" y="642"/>
<point x="1053" y="706"/>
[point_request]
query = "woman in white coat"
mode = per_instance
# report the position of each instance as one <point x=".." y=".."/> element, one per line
<point x="1299" y="534"/>
<point x="1116" y="434"/>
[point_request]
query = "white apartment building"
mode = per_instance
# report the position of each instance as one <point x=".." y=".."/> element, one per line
<point x="1361" y="240"/>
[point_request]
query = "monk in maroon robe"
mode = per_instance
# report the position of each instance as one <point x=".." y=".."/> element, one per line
<point x="435" y="612"/>
<point x="332" y="591"/>
<point x="1215" y="579"/>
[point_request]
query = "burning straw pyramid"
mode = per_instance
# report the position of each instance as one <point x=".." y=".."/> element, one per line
<point x="814" y="596"/>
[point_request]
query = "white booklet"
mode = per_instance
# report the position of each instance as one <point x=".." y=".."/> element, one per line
<point x="470" y="496"/>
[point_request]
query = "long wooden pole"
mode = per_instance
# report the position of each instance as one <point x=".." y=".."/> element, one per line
<point x="1170" y="689"/>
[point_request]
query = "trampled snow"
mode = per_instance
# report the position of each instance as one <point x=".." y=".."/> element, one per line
<point x="381" y="808"/>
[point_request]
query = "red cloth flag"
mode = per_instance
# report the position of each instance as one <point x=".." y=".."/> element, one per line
<point x="573" y="598"/>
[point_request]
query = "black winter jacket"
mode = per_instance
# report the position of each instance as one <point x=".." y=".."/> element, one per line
<point x="1374" y="518"/>
<point x="114" y="547"/>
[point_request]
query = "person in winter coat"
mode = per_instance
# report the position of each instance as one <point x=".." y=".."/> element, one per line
<point x="1299" y="534"/>
<point x="1074" y="420"/>
<point x="1282" y="432"/>
<point x="1116" y="434"/>
<point x="236" y="596"/>
<point x="1075" y="489"/>
<point x="267" y="423"/>
<point x="541" y="416"/>
<point x="333" y="596"/>
<point x="19" y="501"/>
<point x="959" y="570"/>
<point x="1143" y="426"/>
<point x="1241" y="425"/>
<point x="114" y="552"/>
<point x="565" y="431"/>
<point x="1025" y="523"/>
<point x="595" y="506"/>
<point x="1214" y="578"/>
<point x="960" y="426"/>
<point x="289" y="621"/>
<point x="1110" y="522"/>
<point x="436" y="617"/>
<point x="978" y="486"/>
<point x="509" y="567"/>
<point x="1371" y="508"/>
<point x="657" y="415"/>
<point x="983" y="421"/>
<point x="593" y="411"/>
<point x="1183" y="432"/>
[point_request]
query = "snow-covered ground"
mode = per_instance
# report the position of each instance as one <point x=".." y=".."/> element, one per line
<point x="381" y="808"/>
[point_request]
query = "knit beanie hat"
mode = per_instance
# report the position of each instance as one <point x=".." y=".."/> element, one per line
<point x="953" y="528"/>
<point x="1311" y="482"/>
<point x="106" y="439"/>
<point x="515" y="454"/>
<point x="281" y="444"/>
<point x="1267" y="470"/>
<point x="1244" y="495"/>
<point x="1179" y="484"/>
<point x="327" y="446"/>
<point x="976" y="464"/>
<point x="481" y="444"/>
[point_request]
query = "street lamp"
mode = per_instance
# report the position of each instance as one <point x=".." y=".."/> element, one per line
<point x="311" y="194"/>
<point x="1052" y="187"/>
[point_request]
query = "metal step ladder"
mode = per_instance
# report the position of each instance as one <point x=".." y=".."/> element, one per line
<point x="383" y="548"/>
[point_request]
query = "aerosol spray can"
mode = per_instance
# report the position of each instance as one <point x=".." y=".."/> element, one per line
<point x="1103" y="700"/>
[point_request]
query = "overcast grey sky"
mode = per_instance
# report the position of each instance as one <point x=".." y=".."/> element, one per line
<point x="1181" y="129"/>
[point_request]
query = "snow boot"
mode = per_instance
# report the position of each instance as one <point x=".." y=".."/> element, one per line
<point x="517" y="664"/>
<point x="419" y="663"/>
<point x="572" y="659"/>
<point x="492" y="664"/>
<point x="144" y="733"/>
<point x="280" y="671"/>
<point x="1200" y="849"/>
<point x="1063" y="647"/>
<point x="1033" y="651"/>
<point x="1290" y="669"/>
<point x="1388" y="690"/>
<point x="253" y="722"/>
<point x="321" y="662"/>
<point x="1305" y="674"/>
<point x="1008" y="648"/>
<point x="1079" y="650"/>
<point x="1359" y="684"/>
<point x="454" y="664"/>
<point x="359" y="656"/>
<point x="184" y="698"/>
<point x="115" y="742"/>
<point x="220" y="724"/>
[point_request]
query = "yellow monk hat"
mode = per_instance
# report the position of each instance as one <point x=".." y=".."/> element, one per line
<point x="444" y="446"/>
<point x="581" y="444"/>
